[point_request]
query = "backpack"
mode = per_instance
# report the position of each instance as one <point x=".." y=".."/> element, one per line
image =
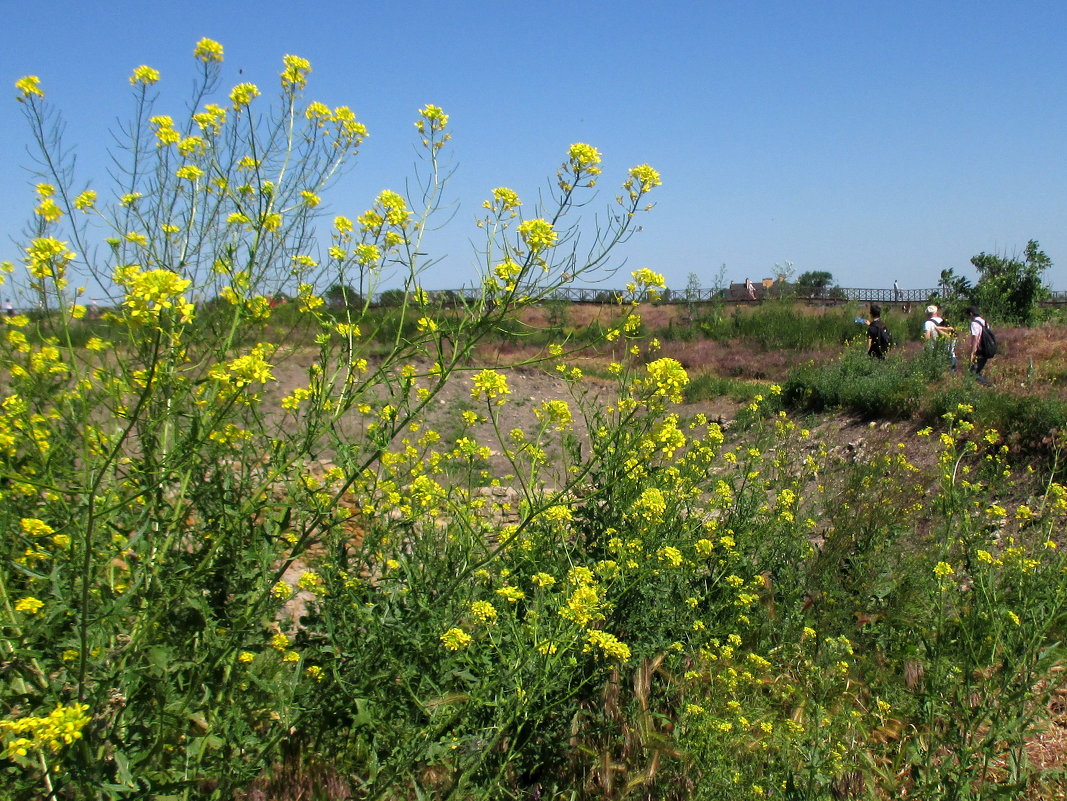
<point x="987" y="345"/>
<point x="884" y="340"/>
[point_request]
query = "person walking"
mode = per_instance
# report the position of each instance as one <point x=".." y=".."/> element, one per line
<point x="936" y="327"/>
<point x="978" y="361"/>
<point x="878" y="337"/>
<point x="896" y="291"/>
<point x="750" y="288"/>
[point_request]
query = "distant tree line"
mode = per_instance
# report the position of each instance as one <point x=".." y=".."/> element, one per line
<point x="1008" y="289"/>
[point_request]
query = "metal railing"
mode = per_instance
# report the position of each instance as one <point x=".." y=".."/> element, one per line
<point x="735" y="294"/>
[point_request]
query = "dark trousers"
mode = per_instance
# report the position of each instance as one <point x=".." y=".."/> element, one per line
<point x="977" y="366"/>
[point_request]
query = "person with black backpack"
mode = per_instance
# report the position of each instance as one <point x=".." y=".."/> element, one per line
<point x="983" y="345"/>
<point x="879" y="340"/>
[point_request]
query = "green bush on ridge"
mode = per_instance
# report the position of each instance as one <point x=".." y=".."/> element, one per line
<point x="922" y="388"/>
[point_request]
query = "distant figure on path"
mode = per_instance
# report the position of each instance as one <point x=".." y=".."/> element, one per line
<point x="896" y="291"/>
<point x="9" y="310"/>
<point x="750" y="289"/>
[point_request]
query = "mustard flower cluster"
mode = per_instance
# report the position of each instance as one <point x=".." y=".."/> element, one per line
<point x="666" y="378"/>
<point x="642" y="179"/>
<point x="556" y="413"/>
<point x="294" y="73"/>
<point x="144" y="76"/>
<point x="349" y="132"/>
<point x="150" y="292"/>
<point x="645" y="285"/>
<point x="211" y="120"/>
<point x="387" y="220"/>
<point x="484" y="612"/>
<point x="431" y="126"/>
<point x="85" y="200"/>
<point x="607" y="643"/>
<point x="166" y="133"/>
<point x="650" y="505"/>
<point x="209" y="51"/>
<point x="580" y="169"/>
<point x="243" y="94"/>
<point x="47" y="257"/>
<point x="62" y="726"/>
<point x="584" y="158"/>
<point x="504" y="199"/>
<point x="538" y="234"/>
<point x="251" y="368"/>
<point x="29" y="604"/>
<point x="505" y="275"/>
<point x="29" y="87"/>
<point x="585" y="603"/>
<point x="454" y="639"/>
<point x="434" y="116"/>
<point x="490" y="385"/>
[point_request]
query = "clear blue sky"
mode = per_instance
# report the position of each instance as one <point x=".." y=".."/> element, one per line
<point x="875" y="140"/>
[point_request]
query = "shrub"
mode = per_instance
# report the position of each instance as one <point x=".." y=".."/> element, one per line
<point x="921" y="388"/>
<point x="779" y="325"/>
<point x="875" y="388"/>
<point x="168" y="503"/>
<point x="1010" y="289"/>
<point x="391" y="298"/>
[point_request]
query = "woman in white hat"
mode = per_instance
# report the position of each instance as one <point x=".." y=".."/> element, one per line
<point x="936" y="327"/>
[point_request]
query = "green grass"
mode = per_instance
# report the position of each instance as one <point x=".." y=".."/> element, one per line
<point x="707" y="387"/>
<point x="921" y="388"/>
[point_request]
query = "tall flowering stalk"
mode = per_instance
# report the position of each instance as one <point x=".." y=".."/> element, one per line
<point x="161" y="492"/>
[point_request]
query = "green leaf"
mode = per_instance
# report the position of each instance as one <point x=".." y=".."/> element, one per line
<point x="159" y="658"/>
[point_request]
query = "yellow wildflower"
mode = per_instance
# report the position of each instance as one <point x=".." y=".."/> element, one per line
<point x="279" y="642"/>
<point x="243" y="94"/>
<point x="85" y="201"/>
<point x="454" y="639"/>
<point x="584" y="158"/>
<point x="295" y="72"/>
<point x="208" y="51"/>
<point x="29" y="604"/>
<point x="144" y="76"/>
<point x="642" y="179"/>
<point x="608" y="643"/>
<point x="538" y="234"/>
<point x="29" y="86"/>
<point x="484" y="611"/>
<point x="490" y="384"/>
<point x="511" y="594"/>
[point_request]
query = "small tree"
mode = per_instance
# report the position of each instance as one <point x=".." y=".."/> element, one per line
<point x="692" y="295"/>
<point x="813" y="282"/>
<point x="391" y="298"/>
<point x="954" y="286"/>
<point x="343" y="296"/>
<point x="1010" y="288"/>
<point x="784" y="287"/>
